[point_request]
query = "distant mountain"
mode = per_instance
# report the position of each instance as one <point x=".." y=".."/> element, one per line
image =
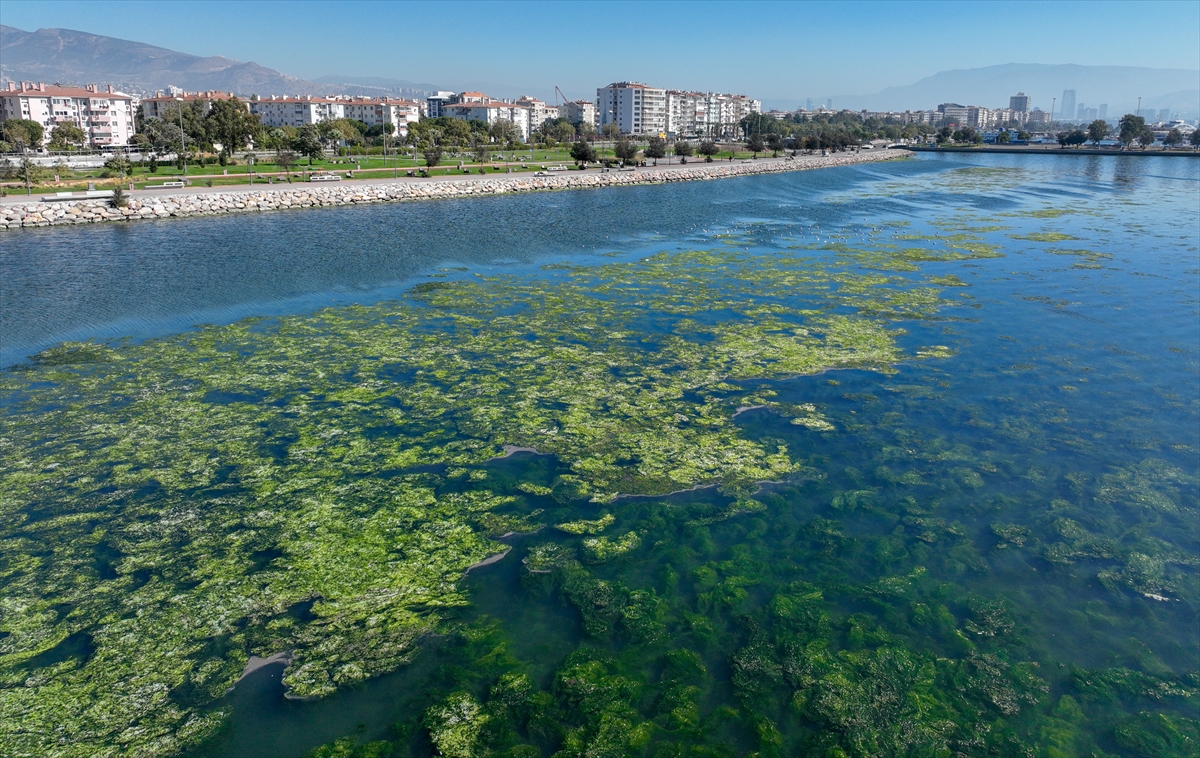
<point x="990" y="86"/>
<point x="380" y="83"/>
<point x="71" y="57"/>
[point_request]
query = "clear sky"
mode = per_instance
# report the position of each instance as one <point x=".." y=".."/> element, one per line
<point x="772" y="49"/>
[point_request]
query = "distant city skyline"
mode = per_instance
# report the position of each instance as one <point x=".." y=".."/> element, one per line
<point x="780" y="50"/>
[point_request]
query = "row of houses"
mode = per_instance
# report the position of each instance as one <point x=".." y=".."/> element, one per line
<point x="108" y="117"/>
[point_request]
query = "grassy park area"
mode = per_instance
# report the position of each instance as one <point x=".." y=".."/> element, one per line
<point x="264" y="170"/>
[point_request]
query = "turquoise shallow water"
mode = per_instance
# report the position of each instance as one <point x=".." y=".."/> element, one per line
<point x="991" y="551"/>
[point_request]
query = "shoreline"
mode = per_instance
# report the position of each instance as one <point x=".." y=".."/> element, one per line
<point x="147" y="205"/>
<point x="1052" y="150"/>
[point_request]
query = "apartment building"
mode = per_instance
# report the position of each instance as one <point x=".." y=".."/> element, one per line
<point x="277" y="111"/>
<point x="476" y="106"/>
<point x="105" y="116"/>
<point x="370" y="111"/>
<point x="578" y="112"/>
<point x="715" y="114"/>
<point x="967" y="115"/>
<point x="634" y="107"/>
<point x="435" y="102"/>
<point x="539" y="112"/>
<point x="157" y="106"/>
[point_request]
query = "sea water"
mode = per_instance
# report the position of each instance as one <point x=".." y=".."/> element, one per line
<point x="986" y="541"/>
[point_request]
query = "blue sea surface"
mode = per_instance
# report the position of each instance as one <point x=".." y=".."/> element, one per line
<point x="1075" y="368"/>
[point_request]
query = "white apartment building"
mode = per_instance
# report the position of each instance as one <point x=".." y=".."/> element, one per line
<point x="157" y="106"/>
<point x="578" y="112"/>
<point x="538" y="112"/>
<point x="106" y="117"/>
<point x="967" y="115"/>
<point x="707" y="114"/>
<point x="476" y="106"/>
<point x="634" y="107"/>
<point x="296" y="111"/>
<point x="398" y="113"/>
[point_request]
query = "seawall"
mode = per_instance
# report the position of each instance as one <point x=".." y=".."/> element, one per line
<point x="145" y="205"/>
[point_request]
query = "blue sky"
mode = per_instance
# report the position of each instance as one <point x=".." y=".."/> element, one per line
<point x="770" y="49"/>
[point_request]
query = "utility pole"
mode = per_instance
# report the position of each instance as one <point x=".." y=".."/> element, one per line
<point x="183" y="139"/>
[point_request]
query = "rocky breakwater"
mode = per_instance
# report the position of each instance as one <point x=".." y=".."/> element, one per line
<point x="288" y="196"/>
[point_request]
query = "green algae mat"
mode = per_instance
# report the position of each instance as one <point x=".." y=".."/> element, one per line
<point x="804" y="498"/>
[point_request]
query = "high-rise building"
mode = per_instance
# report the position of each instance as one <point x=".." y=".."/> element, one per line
<point x="1019" y="102"/>
<point x="1102" y="111"/>
<point x="829" y="104"/>
<point x="634" y="107"/>
<point x="1068" y="105"/>
<point x="808" y="105"/>
<point x="1164" y="115"/>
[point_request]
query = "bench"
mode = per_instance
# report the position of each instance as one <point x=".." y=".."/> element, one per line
<point x="325" y="178"/>
<point x="59" y="197"/>
<point x="165" y="185"/>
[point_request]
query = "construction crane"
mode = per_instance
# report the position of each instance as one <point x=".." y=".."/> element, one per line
<point x="559" y="93"/>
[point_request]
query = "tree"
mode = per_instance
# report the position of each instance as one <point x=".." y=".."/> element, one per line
<point x="564" y="131"/>
<point x="229" y="123"/>
<point x="1146" y="138"/>
<point x="683" y="149"/>
<point x="1024" y="136"/>
<point x="432" y="152"/>
<point x="23" y="134"/>
<point x="708" y="149"/>
<point x="193" y="120"/>
<point x="308" y="142"/>
<point x="285" y="159"/>
<point x="1003" y="138"/>
<point x="117" y="166"/>
<point x="1129" y="127"/>
<point x="611" y="130"/>
<point x="776" y="143"/>
<point x="31" y="173"/>
<point x="963" y="134"/>
<point x="1097" y="130"/>
<point x="1195" y="138"/>
<point x="583" y="152"/>
<point x="626" y="150"/>
<point x="1173" y="138"/>
<point x="479" y="149"/>
<point x="502" y="130"/>
<point x="755" y="144"/>
<point x="66" y="134"/>
<point x="656" y="148"/>
<point x="586" y="130"/>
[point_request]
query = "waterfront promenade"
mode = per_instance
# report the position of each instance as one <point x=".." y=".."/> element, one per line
<point x="23" y="211"/>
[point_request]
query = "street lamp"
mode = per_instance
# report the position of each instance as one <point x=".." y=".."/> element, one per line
<point x="182" y="139"/>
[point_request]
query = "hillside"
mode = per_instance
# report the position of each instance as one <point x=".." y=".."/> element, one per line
<point x="72" y="57"/>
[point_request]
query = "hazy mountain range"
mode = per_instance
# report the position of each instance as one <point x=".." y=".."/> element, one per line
<point x="73" y="57"/>
<point x="990" y="86"/>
